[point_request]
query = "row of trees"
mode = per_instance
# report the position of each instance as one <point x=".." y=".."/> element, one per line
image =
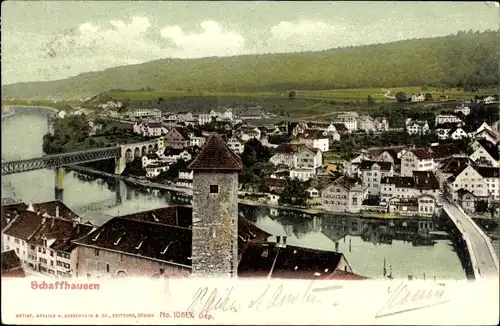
<point x="71" y="131"/>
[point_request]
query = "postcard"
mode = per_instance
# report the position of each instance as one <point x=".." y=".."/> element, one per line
<point x="256" y="162"/>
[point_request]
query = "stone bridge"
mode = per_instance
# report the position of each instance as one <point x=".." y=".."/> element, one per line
<point x="129" y="152"/>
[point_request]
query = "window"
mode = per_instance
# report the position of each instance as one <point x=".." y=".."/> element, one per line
<point x="58" y="263"/>
<point x="17" y="250"/>
<point x="107" y="268"/>
<point x="96" y="252"/>
<point x="121" y="257"/>
<point x="18" y="241"/>
<point x="8" y="238"/>
<point x="51" y="253"/>
<point x="214" y="189"/>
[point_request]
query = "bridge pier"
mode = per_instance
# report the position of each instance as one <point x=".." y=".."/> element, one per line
<point x="120" y="164"/>
<point x="59" y="183"/>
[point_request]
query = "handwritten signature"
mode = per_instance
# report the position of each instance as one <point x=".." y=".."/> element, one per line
<point x="403" y="299"/>
<point x="206" y="300"/>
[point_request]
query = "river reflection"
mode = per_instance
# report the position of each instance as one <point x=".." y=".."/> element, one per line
<point x="406" y="246"/>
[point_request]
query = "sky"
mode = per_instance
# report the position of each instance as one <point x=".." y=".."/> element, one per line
<point x="48" y="40"/>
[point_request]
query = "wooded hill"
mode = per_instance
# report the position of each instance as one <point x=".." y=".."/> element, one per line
<point x="467" y="59"/>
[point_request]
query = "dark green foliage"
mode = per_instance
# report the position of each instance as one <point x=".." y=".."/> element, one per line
<point x="173" y="171"/>
<point x="401" y="97"/>
<point x="481" y="206"/>
<point x="294" y="193"/>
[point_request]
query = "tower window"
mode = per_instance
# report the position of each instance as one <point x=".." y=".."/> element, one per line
<point x="214" y="189"/>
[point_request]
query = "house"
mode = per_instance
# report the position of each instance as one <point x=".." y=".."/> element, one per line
<point x="417" y="127"/>
<point x="417" y="97"/>
<point x="465" y="110"/>
<point x="444" y="150"/>
<point x="418" y="159"/>
<point x="274" y="196"/>
<point x="485" y="153"/>
<point x="351" y="168"/>
<point x="185" y="179"/>
<point x="236" y="144"/>
<point x="12" y="265"/>
<point x="150" y="129"/>
<point x="458" y="133"/>
<point x="447" y="118"/>
<point x="177" y="138"/>
<point x="426" y="205"/>
<point x="372" y="172"/>
<point x="155" y="169"/>
<point x="366" y="123"/>
<point x="396" y="187"/>
<point x="285" y="154"/>
<point x="308" y="158"/>
<point x="343" y="195"/>
<point x="314" y="138"/>
<point x="403" y="206"/>
<point x="275" y="184"/>
<point x="172" y="155"/>
<point x="248" y="133"/>
<point x="390" y="154"/>
<point x="184" y="116"/>
<point x="450" y="166"/>
<point x="204" y="119"/>
<point x="443" y="130"/>
<point x="282" y="174"/>
<point x="467" y="200"/>
<point x="489" y="100"/>
<point x="381" y="124"/>
<point x="481" y="181"/>
<point x="197" y="141"/>
<point x="302" y="174"/>
<point x="349" y="119"/>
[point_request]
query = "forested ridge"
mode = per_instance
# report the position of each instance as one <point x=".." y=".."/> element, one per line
<point x="468" y="60"/>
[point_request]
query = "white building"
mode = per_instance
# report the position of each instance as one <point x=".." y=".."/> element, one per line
<point x="197" y="141"/>
<point x="314" y="138"/>
<point x="236" y="144"/>
<point x="381" y="124"/>
<point x="349" y="119"/>
<point x="418" y="159"/>
<point x="417" y="127"/>
<point x="372" y="172"/>
<point x="485" y="153"/>
<point x="489" y="100"/>
<point x="447" y="118"/>
<point x="308" y="158"/>
<point x="417" y="97"/>
<point x="458" y="133"/>
<point x="204" y="119"/>
<point x="465" y="110"/>
<point x="285" y="155"/>
<point x="302" y="174"/>
<point x="343" y="195"/>
<point x="150" y="129"/>
<point x="185" y="179"/>
<point x="483" y="182"/>
<point x="155" y="169"/>
<point x="421" y="183"/>
<point x="366" y="123"/>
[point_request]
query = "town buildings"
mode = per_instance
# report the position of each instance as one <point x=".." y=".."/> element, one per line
<point x="417" y="127"/>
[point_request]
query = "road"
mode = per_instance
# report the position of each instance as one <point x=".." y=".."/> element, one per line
<point x="483" y="255"/>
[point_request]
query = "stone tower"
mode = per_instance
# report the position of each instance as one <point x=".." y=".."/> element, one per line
<point x="215" y="210"/>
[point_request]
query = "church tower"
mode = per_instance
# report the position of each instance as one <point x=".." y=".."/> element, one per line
<point x="215" y="210"/>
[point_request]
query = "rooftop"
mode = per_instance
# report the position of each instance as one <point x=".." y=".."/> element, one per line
<point x="216" y="155"/>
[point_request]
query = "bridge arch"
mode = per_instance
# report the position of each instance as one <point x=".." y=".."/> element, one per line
<point x="150" y="148"/>
<point x="129" y="155"/>
<point x="155" y="146"/>
<point x="137" y="152"/>
<point x="144" y="150"/>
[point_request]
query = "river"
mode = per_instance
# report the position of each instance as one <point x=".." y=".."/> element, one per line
<point x="365" y="245"/>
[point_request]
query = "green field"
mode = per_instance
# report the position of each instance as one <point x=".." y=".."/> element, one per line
<point x="463" y="60"/>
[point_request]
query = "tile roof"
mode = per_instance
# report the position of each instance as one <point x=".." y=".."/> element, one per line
<point x="312" y="134"/>
<point x="423" y="153"/>
<point x="288" y="148"/>
<point x="147" y="239"/>
<point x="313" y="150"/>
<point x="289" y="262"/>
<point x="492" y="149"/>
<point x="346" y="182"/>
<point x="487" y="172"/>
<point x="169" y="151"/>
<point x="60" y="230"/>
<point x="454" y="164"/>
<point x="384" y="166"/>
<point x="173" y="215"/>
<point x="399" y="182"/>
<point x="216" y="155"/>
<point x="340" y="127"/>
<point x="275" y="182"/>
<point x="10" y="211"/>
<point x="445" y="150"/>
<point x="51" y="207"/>
<point x="11" y="264"/>
<point x="425" y="180"/>
<point x="155" y="125"/>
<point x="25" y="225"/>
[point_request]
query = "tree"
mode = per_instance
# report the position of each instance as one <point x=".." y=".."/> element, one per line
<point x="428" y="96"/>
<point x="292" y="95"/>
<point x="370" y="100"/>
<point x="401" y="97"/>
<point x="294" y="193"/>
<point x="481" y="206"/>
